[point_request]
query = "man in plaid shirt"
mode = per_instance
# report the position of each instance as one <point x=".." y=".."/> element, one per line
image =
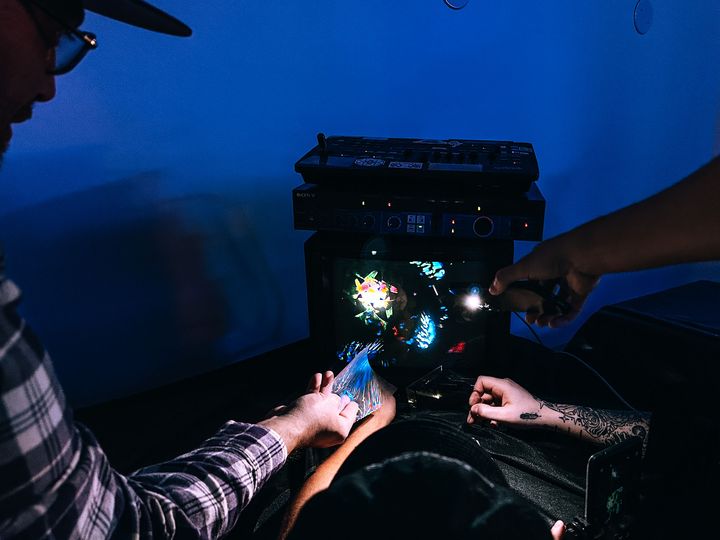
<point x="55" y="480"/>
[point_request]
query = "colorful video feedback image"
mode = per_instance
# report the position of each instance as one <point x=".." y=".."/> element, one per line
<point x="406" y="312"/>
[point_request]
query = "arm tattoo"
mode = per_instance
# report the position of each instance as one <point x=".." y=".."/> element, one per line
<point x="600" y="425"/>
<point x="529" y="416"/>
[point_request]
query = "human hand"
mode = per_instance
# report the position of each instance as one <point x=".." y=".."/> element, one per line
<point x="549" y="260"/>
<point x="558" y="530"/>
<point x="502" y="400"/>
<point x="326" y="471"/>
<point x="321" y="418"/>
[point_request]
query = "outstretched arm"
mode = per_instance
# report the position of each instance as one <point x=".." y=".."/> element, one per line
<point x="325" y="473"/>
<point x="503" y="400"/>
<point x="205" y="490"/>
<point x="678" y="225"/>
<point x="597" y="425"/>
<point x="55" y="480"/>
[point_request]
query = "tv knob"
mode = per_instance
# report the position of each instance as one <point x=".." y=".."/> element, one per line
<point x="483" y="226"/>
<point x="394" y="223"/>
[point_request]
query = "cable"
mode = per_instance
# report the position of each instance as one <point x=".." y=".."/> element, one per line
<point x="534" y="333"/>
<point x="593" y="370"/>
<point x="583" y="362"/>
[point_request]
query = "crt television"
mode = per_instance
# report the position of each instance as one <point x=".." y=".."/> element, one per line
<point x="415" y="302"/>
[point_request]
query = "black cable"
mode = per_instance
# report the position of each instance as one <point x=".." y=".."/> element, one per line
<point x="534" y="333"/>
<point x="583" y="362"/>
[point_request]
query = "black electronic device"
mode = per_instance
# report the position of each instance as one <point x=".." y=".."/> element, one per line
<point x="442" y="389"/>
<point x="528" y="296"/>
<point x="612" y="494"/>
<point x="412" y="296"/>
<point x="648" y="348"/>
<point x="419" y="213"/>
<point x="458" y="164"/>
<point x="612" y="490"/>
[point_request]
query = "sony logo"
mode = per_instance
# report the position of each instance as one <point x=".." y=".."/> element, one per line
<point x="306" y="195"/>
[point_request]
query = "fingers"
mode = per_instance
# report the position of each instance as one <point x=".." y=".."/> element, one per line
<point x="559" y="322"/>
<point x="529" y="267"/>
<point x="321" y="382"/>
<point x="558" y="530"/>
<point x="545" y="320"/>
<point x="492" y="386"/>
<point x="489" y="398"/>
<point x="478" y="397"/>
<point x="327" y="380"/>
<point x="506" y="276"/>
<point x="344" y="400"/>
<point x="472" y="419"/>
<point x="350" y="410"/>
<point x="576" y="305"/>
<point x="553" y="321"/>
<point x="488" y="412"/>
<point x="314" y="383"/>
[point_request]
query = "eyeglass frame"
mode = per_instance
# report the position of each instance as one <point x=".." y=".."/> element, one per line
<point x="88" y="39"/>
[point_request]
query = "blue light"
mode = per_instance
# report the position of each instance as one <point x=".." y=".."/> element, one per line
<point x="425" y="333"/>
<point x="433" y="270"/>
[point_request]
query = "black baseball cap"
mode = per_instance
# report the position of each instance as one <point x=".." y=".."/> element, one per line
<point x="135" y="12"/>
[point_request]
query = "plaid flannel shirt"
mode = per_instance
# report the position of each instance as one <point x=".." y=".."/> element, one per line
<point x="56" y="482"/>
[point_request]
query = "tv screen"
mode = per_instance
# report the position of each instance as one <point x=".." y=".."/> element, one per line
<point x="413" y="312"/>
<point x="415" y="304"/>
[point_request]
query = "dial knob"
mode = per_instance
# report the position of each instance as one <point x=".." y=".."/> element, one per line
<point x="394" y="223"/>
<point x="483" y="226"/>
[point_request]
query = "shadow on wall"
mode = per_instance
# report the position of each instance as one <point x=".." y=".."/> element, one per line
<point x="129" y="291"/>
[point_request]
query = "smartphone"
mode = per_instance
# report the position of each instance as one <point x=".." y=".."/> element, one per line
<point x="612" y="485"/>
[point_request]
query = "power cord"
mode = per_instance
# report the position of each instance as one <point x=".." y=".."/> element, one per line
<point x="583" y="362"/>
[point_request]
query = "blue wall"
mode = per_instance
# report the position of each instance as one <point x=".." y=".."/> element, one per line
<point x="146" y="211"/>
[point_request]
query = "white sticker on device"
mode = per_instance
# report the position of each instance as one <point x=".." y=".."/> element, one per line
<point x="369" y="162"/>
<point x="405" y="165"/>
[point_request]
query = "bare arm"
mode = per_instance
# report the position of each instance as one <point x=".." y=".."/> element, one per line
<point x="503" y="400"/>
<point x="678" y="225"/>
<point x="596" y="425"/>
<point x="325" y="473"/>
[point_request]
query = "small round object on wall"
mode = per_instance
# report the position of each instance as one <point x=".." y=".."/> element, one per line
<point x="456" y="4"/>
<point x="643" y="16"/>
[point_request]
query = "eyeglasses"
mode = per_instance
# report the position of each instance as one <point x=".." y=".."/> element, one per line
<point x="69" y="47"/>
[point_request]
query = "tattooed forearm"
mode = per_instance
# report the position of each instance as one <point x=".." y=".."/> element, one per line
<point x="600" y="425"/>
